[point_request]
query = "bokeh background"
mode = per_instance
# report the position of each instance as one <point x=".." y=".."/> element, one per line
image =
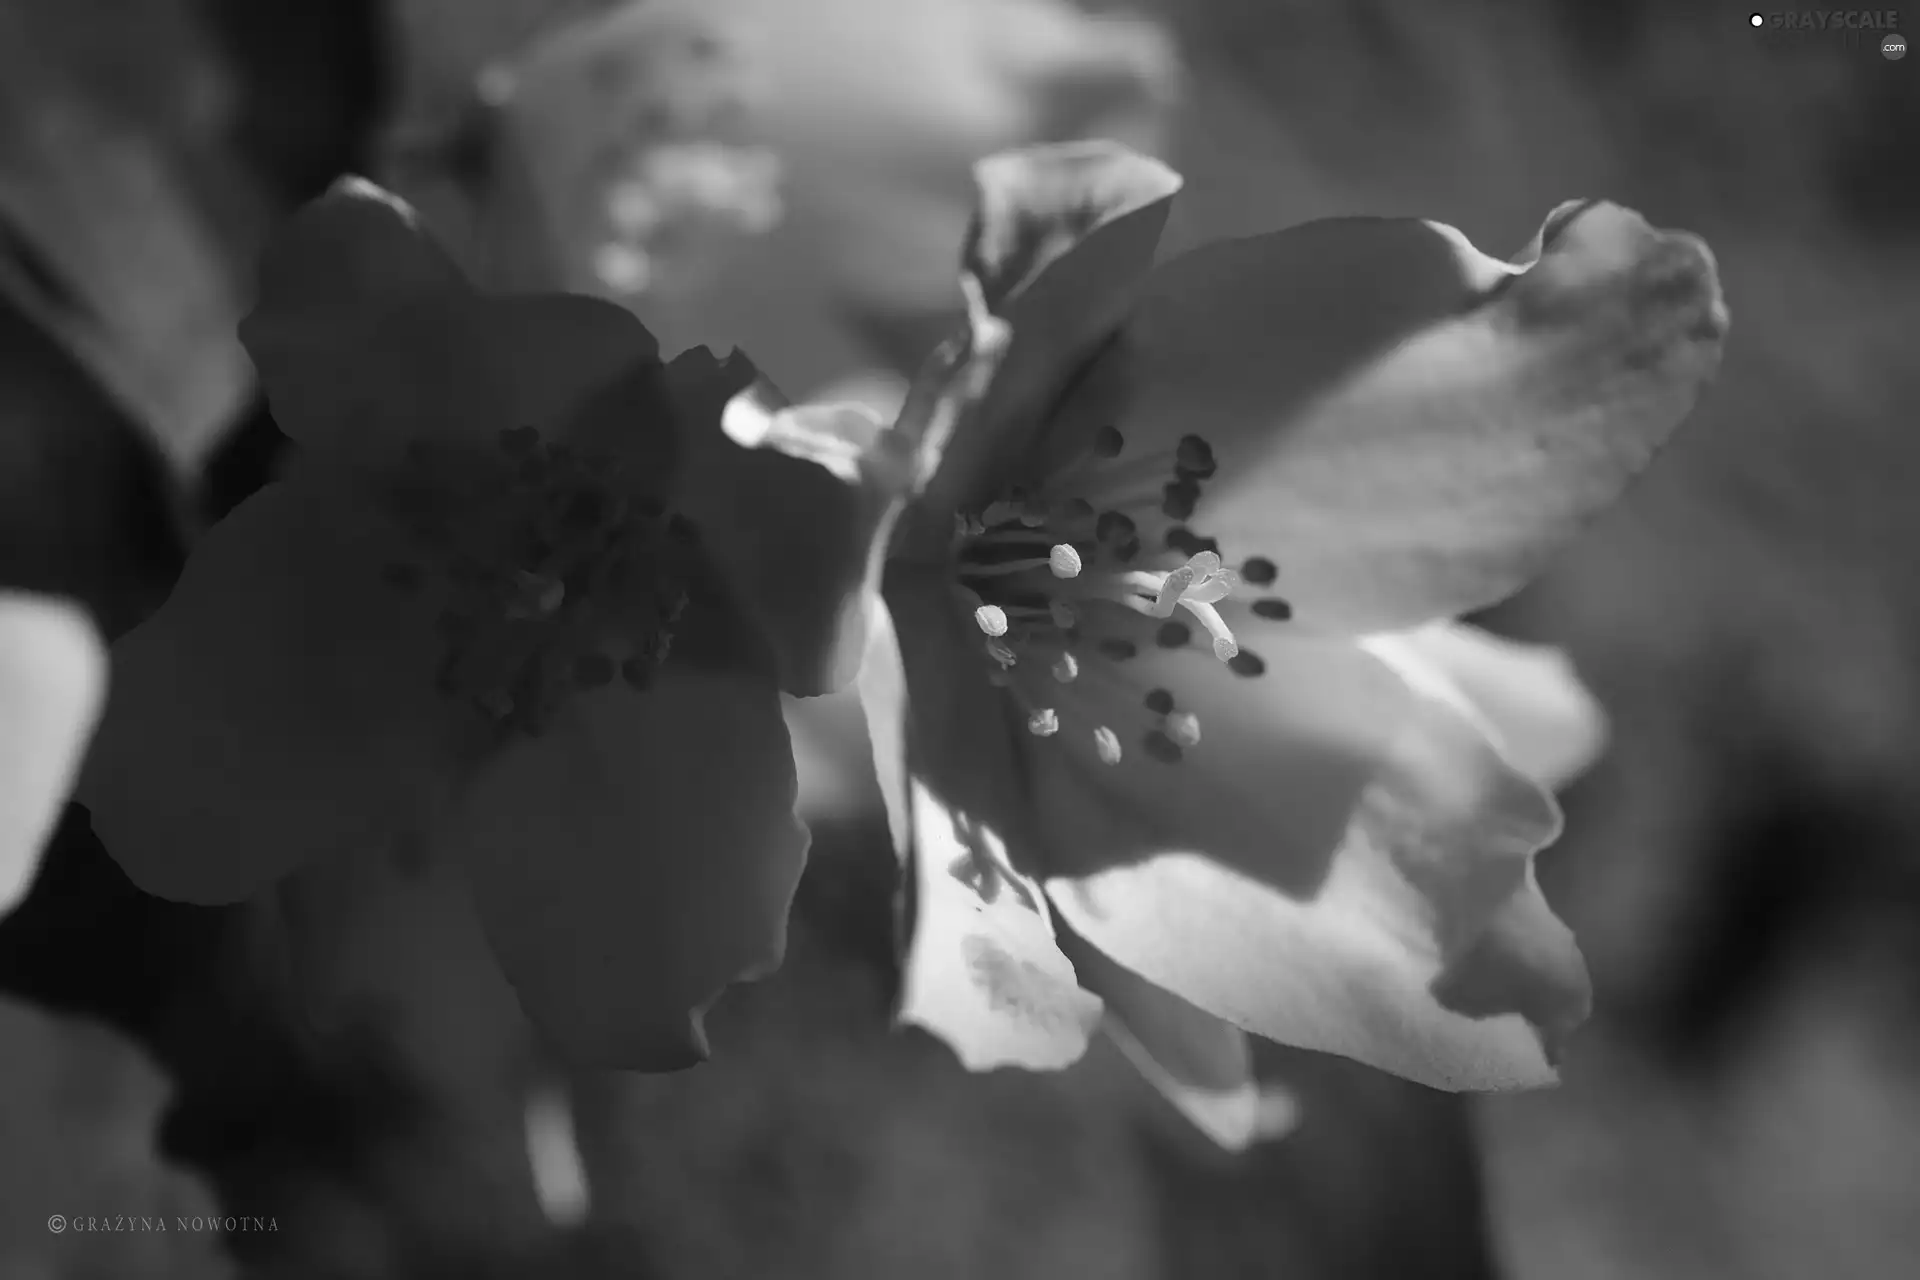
<point x="342" y="1060"/>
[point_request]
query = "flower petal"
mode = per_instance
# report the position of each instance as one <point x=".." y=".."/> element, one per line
<point x="1200" y="1064"/>
<point x="982" y="970"/>
<point x="358" y="246"/>
<point x="784" y="507"/>
<point x="881" y="687"/>
<point x="1342" y="863"/>
<point x="53" y="677"/>
<point x="642" y="854"/>
<point x="1062" y="238"/>
<point x="1530" y="698"/>
<point x="366" y="336"/>
<point x="279" y="707"/>
<point x="1410" y="429"/>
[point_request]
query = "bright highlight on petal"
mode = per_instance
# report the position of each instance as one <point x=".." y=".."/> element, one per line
<point x="982" y="970"/>
<point x="53" y="679"/>
<point x="1532" y="700"/>
<point x="1201" y="1065"/>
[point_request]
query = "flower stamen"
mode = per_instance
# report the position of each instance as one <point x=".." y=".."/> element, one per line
<point x="992" y="619"/>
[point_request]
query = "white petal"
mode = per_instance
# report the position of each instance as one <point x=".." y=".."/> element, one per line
<point x="1530" y="698"/>
<point x="53" y="679"/>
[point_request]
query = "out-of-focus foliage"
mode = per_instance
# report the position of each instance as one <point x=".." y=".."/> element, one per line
<point x="112" y="236"/>
<point x="79" y="1111"/>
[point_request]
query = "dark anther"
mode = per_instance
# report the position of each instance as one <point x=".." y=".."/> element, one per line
<point x="1260" y="571"/>
<point x="1173" y="635"/>
<point x="1161" y="747"/>
<point x="586" y="508"/>
<point x="637" y="672"/>
<point x="1117" y="649"/>
<point x="1075" y="510"/>
<point x="1127" y="550"/>
<point x="1188" y="543"/>
<point x="1194" y="457"/>
<point x="592" y="670"/>
<point x="1108" y="442"/>
<point x="1276" y="609"/>
<point x="1113" y="527"/>
<point x="1245" y="663"/>
<point x="1177" y="500"/>
<point x="682" y="530"/>
<point x="402" y="577"/>
<point x="518" y="442"/>
<point x="1160" y="702"/>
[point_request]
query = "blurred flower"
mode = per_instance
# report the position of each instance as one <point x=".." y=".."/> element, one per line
<point x="759" y="173"/>
<point x="1123" y="766"/>
<point x="52" y="677"/>
<point x="467" y="611"/>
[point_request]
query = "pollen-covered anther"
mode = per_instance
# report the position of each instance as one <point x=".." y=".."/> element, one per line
<point x="1107" y="743"/>
<point x="1043" y="723"/>
<point x="1225" y="647"/>
<point x="991" y="619"/>
<point x="1184" y="728"/>
<point x="1064" y="561"/>
<point x="1066" y="668"/>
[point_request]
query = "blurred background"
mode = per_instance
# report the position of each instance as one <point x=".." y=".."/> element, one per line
<point x="342" y="1059"/>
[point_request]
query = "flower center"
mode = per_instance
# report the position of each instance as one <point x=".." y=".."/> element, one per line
<point x="1057" y="585"/>
<point x="551" y="574"/>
